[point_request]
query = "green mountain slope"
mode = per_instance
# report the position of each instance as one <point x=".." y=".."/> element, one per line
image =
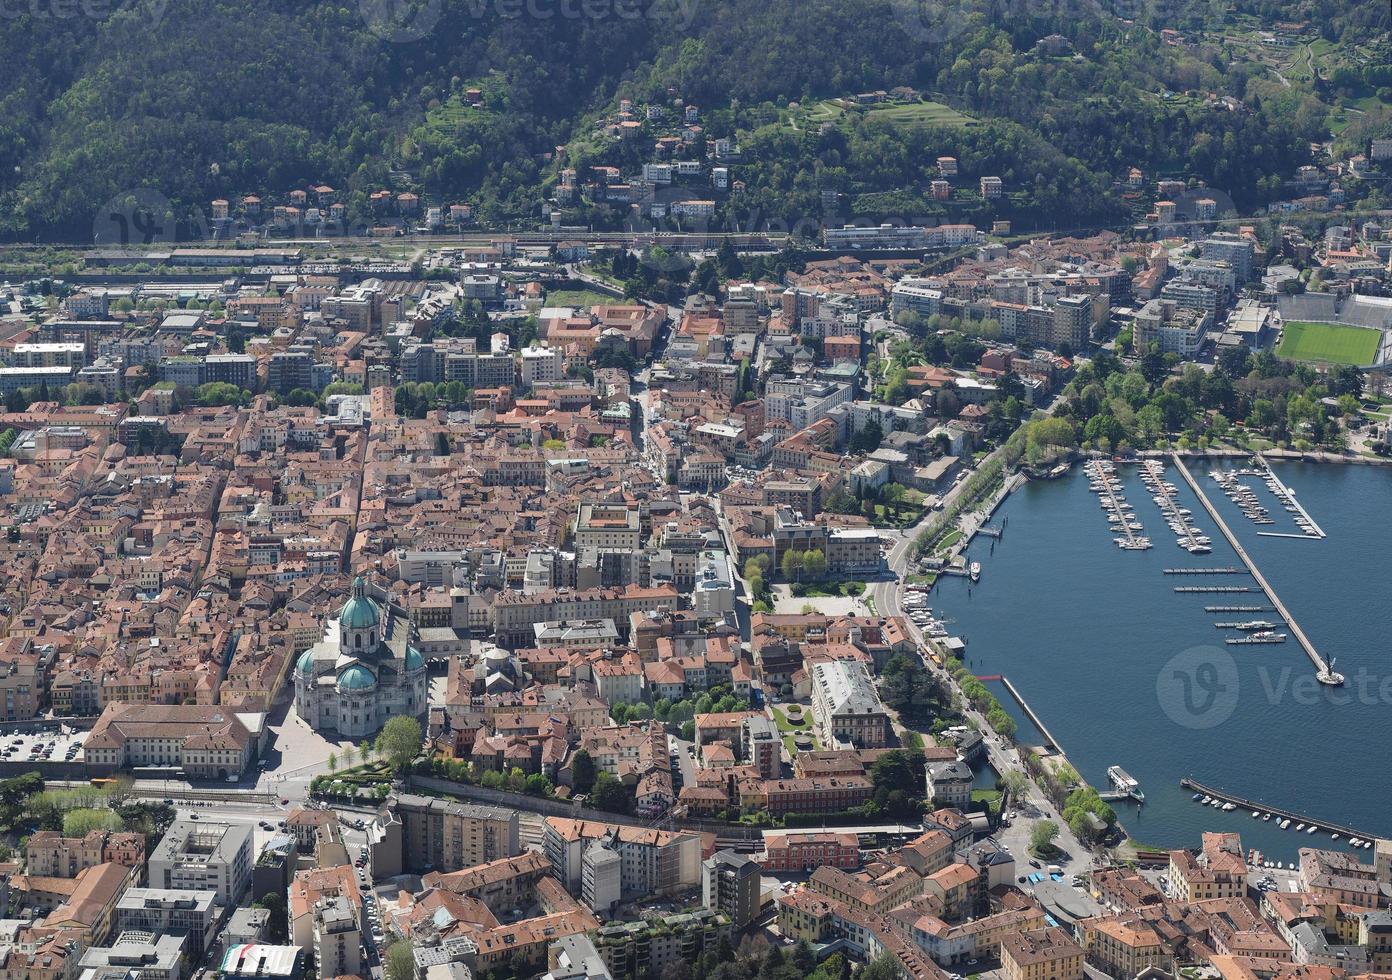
<point x="204" y="98"/>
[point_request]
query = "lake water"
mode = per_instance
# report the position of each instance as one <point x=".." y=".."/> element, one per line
<point x="1125" y="671"/>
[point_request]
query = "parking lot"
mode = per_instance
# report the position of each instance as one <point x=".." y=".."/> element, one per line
<point x="41" y="746"/>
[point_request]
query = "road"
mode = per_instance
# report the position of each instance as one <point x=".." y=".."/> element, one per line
<point x="1003" y="757"/>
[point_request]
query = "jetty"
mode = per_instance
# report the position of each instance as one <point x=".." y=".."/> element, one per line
<point x="1120" y="515"/>
<point x="1050" y="741"/>
<point x="1206" y="571"/>
<point x="1287" y="497"/>
<point x="1324" y="671"/>
<point x="1178" y="518"/>
<point x="1243" y="803"/>
<point x="1216" y="588"/>
<point x="991" y="532"/>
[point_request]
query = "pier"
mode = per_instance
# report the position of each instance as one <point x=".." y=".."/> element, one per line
<point x="1242" y="641"/>
<point x="991" y="532"/>
<point x="1324" y="672"/>
<point x="1187" y="536"/>
<point x="1102" y="481"/>
<point x="1276" y="812"/>
<point x="1216" y="588"/>
<point x="1287" y="496"/>
<point x="1206" y="571"/>
<point x="1125" y="786"/>
<point x="1038" y="722"/>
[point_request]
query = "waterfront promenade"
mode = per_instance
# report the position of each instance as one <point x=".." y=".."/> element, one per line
<point x="1322" y="670"/>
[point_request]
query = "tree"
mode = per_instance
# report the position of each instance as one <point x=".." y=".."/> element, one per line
<point x="80" y="823"/>
<point x="400" y="741"/>
<point x="333" y="761"/>
<point x="278" y="927"/>
<point x="582" y="771"/>
<point x="1015" y="784"/>
<point x="611" y="794"/>
<point x="1043" y="835"/>
<point x="792" y="564"/>
<point x="814" y="563"/>
<point x="400" y="961"/>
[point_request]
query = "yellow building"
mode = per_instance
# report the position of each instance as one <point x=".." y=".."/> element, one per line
<point x="1047" y="954"/>
<point x="1123" y="945"/>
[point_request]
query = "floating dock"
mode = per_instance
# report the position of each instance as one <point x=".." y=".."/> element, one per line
<point x="1234" y="609"/>
<point x="1216" y="588"/>
<point x="1206" y="571"/>
<point x="1324" y="672"/>
<point x="1249" y="805"/>
<point x="1126" y="786"/>
<point x="1243" y="641"/>
<point x="991" y="532"/>
<point x="1287" y="496"/>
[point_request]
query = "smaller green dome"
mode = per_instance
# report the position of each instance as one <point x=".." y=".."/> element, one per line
<point x="359" y="612"/>
<point x="356" y="678"/>
<point x="306" y="664"/>
<point x="414" y="660"/>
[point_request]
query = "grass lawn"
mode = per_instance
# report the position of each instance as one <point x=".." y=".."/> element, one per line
<point x="926" y="578"/>
<point x="991" y="797"/>
<point x="949" y="539"/>
<point x="1330" y="343"/>
<point x="909" y="114"/>
<point x="577" y="297"/>
<point x="850" y="589"/>
<point x="789" y="729"/>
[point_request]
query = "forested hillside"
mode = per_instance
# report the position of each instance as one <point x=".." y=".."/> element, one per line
<point x="206" y="98"/>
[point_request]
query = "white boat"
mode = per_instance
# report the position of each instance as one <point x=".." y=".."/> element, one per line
<point x="1285" y="823"/>
<point x="1333" y="836"/>
<point x="1207" y="800"/>
<point x="1312" y="829"/>
<point x="1266" y="816"/>
<point x="1229" y="806"/>
<point x="975" y="571"/>
<point x="1254" y="814"/>
<point x="1299" y="827"/>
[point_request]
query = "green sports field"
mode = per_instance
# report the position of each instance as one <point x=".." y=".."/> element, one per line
<point x="1330" y="343"/>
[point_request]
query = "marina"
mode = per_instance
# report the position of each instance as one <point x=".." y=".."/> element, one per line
<point x="1096" y="692"/>
<point x="1324" y="671"/>
<point x="1180" y="520"/>
<point x="1121" y="516"/>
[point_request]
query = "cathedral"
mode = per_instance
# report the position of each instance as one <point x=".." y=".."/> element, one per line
<point x="364" y="671"/>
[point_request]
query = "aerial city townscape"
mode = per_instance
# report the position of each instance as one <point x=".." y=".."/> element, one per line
<point x="909" y="503"/>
